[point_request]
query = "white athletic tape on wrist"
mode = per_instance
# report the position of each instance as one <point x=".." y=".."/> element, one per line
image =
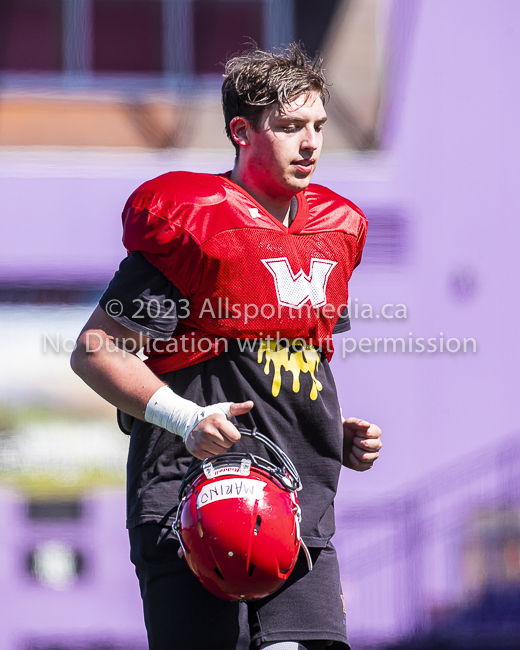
<point x="170" y="411"/>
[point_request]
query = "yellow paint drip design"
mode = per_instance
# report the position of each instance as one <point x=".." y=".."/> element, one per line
<point x="304" y="360"/>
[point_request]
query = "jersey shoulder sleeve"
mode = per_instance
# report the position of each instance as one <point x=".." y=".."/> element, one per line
<point x="165" y="205"/>
<point x="324" y="203"/>
<point x="160" y="220"/>
<point x="331" y="211"/>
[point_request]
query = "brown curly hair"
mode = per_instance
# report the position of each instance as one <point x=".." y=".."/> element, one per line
<point x="255" y="80"/>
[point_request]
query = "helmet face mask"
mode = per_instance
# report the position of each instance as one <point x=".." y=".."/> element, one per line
<point x="239" y="523"/>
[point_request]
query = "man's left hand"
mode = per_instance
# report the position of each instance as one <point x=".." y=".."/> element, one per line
<point x="361" y="444"/>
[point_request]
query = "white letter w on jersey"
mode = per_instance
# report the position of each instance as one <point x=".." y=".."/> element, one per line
<point x="293" y="290"/>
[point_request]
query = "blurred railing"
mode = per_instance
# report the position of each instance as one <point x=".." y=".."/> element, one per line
<point x="416" y="562"/>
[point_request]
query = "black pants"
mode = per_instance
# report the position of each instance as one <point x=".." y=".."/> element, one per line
<point x="180" y="614"/>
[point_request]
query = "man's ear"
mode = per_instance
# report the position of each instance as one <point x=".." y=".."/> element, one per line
<point x="240" y="128"/>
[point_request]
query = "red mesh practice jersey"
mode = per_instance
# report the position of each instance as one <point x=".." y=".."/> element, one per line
<point x="245" y="274"/>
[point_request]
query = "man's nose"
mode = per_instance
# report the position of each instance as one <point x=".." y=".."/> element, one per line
<point x="310" y="140"/>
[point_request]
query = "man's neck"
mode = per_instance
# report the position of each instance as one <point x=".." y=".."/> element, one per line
<point x="279" y="207"/>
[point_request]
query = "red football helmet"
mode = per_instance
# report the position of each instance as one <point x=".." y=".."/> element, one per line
<point x="238" y="522"/>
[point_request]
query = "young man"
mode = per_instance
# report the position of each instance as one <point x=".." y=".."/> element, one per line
<point x="235" y="283"/>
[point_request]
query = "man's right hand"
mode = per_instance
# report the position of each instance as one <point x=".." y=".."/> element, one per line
<point x="215" y="434"/>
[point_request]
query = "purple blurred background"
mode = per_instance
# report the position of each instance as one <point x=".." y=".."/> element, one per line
<point x="424" y="137"/>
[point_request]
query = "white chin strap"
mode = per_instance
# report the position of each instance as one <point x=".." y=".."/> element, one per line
<point x="283" y="645"/>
